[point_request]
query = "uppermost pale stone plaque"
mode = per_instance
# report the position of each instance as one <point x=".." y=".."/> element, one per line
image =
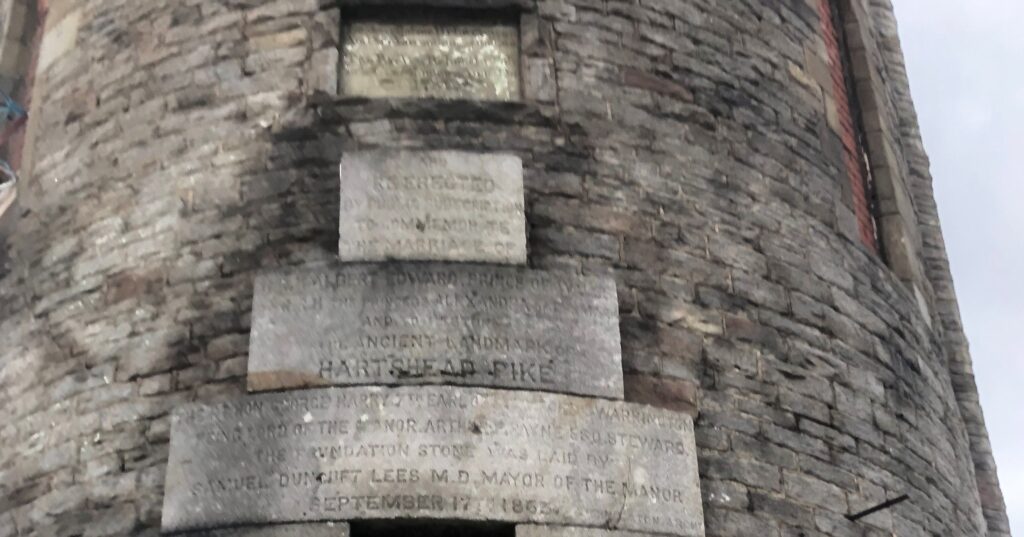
<point x="446" y="60"/>
<point x="432" y="206"/>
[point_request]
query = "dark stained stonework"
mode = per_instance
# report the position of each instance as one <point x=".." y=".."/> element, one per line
<point x="681" y="147"/>
<point x="432" y="323"/>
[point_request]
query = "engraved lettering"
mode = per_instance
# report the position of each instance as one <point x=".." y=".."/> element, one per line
<point x="432" y="452"/>
<point x="435" y="324"/>
<point x="432" y="205"/>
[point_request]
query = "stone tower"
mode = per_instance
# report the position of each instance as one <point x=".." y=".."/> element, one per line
<point x="718" y="211"/>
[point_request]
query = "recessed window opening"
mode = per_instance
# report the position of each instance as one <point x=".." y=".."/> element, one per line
<point x="865" y="194"/>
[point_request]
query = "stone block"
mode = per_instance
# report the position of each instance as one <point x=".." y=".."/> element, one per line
<point x="59" y="39"/>
<point x="323" y="74"/>
<point x="679" y="395"/>
<point x="441" y="453"/>
<point x="326" y="529"/>
<point x="432" y="206"/>
<point x="11" y="55"/>
<point x="539" y="80"/>
<point x="525" y="530"/>
<point x="7" y="196"/>
<point x="475" y="59"/>
<point x="17" y="22"/>
<point x="475" y="325"/>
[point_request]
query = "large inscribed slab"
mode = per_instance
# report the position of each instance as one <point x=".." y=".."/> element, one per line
<point x="434" y="452"/>
<point x="413" y="323"/>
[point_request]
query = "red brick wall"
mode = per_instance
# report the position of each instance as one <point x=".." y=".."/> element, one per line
<point x="855" y="168"/>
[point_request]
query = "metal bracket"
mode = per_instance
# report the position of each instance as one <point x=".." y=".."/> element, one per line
<point x="877" y="508"/>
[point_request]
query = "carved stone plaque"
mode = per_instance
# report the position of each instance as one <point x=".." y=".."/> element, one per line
<point x="432" y="206"/>
<point x="439" y="59"/>
<point x="432" y="452"/>
<point x="412" y="323"/>
<point x="325" y="529"/>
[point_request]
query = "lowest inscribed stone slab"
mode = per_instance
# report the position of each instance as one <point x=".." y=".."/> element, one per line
<point x="432" y="452"/>
<point x="432" y="206"/>
<point x="469" y="59"/>
<point x="475" y="325"/>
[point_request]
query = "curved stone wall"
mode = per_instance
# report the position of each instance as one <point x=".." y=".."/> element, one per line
<point x="180" y="147"/>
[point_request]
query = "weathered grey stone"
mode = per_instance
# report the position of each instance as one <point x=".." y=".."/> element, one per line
<point x="435" y="453"/>
<point x="59" y="39"/>
<point x="435" y="324"/>
<point x="531" y="530"/>
<point x="7" y="196"/>
<point x="432" y="206"/>
<point x="324" y="529"/>
<point x="472" y="59"/>
<point x="170" y="190"/>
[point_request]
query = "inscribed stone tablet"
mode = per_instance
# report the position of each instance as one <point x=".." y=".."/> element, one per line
<point x="473" y="325"/>
<point x="325" y="529"/>
<point x="432" y="206"/>
<point x="439" y="59"/>
<point x="432" y="452"/>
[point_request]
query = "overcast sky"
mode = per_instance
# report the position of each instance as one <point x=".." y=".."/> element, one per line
<point x="966" y="64"/>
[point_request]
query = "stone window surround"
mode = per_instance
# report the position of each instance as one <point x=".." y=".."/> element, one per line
<point x="537" y="68"/>
<point x="19" y="25"/>
<point x="845" y="120"/>
<point x="896" y="214"/>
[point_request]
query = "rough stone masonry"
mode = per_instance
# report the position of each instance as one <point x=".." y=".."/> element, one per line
<point x="685" y="149"/>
